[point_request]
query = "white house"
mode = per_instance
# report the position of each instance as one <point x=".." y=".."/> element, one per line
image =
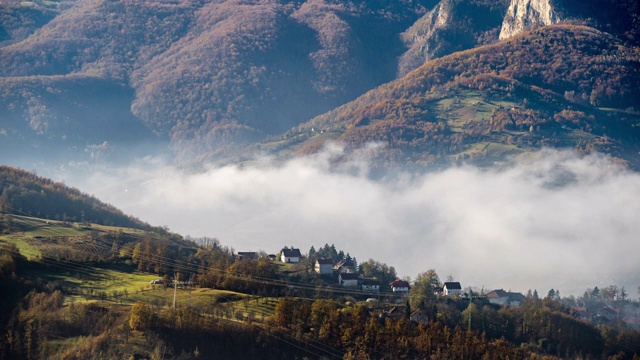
<point x="399" y="286"/>
<point x="290" y="255"/>
<point x="371" y="285"/>
<point x="324" y="266"/>
<point x="348" y="280"/>
<point x="451" y="288"/>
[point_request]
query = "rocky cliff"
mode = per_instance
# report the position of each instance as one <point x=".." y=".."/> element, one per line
<point x="524" y="15"/>
<point x="421" y="38"/>
<point x="452" y="25"/>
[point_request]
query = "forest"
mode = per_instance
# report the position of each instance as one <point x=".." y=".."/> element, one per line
<point x="213" y="77"/>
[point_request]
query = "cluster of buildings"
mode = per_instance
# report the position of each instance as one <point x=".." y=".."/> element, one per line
<point x="348" y="277"/>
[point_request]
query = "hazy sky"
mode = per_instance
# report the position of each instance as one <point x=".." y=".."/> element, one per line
<point x="552" y="221"/>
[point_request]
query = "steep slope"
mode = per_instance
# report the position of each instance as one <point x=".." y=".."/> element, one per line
<point x="524" y="15"/>
<point x="453" y="25"/>
<point x="618" y="17"/>
<point x="207" y="74"/>
<point x="210" y="75"/>
<point x="288" y="62"/>
<point x="559" y="86"/>
<point x="18" y="20"/>
<point x="70" y="118"/>
<point x="24" y="193"/>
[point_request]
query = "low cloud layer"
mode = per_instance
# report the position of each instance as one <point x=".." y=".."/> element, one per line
<point x="552" y="221"/>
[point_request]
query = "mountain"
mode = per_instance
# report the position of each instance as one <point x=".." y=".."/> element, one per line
<point x="203" y="74"/>
<point x="453" y="25"/>
<point x="525" y="15"/>
<point x="102" y="79"/>
<point x="558" y="86"/>
<point x="618" y="17"/>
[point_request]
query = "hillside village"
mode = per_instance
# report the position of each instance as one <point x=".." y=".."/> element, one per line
<point x="85" y="290"/>
<point x="222" y="302"/>
<point x="343" y="271"/>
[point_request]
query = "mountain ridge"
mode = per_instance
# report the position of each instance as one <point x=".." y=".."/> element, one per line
<point x="504" y="94"/>
<point x="213" y="77"/>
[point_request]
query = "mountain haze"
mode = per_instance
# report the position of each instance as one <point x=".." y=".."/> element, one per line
<point x="79" y="79"/>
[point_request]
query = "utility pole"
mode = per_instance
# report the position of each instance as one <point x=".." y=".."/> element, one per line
<point x="175" y="289"/>
<point x="190" y="284"/>
<point x="470" y="298"/>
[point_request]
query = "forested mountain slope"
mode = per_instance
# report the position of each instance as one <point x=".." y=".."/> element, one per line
<point x="202" y="73"/>
<point x="559" y="86"/>
<point x="207" y="76"/>
<point x="25" y="193"/>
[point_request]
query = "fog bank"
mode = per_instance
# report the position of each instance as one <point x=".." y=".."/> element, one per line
<point x="554" y="220"/>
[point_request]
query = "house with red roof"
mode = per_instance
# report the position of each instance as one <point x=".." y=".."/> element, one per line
<point x="399" y="286"/>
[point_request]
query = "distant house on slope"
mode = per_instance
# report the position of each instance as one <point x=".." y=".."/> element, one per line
<point x="610" y="313"/>
<point x="347" y="266"/>
<point x="504" y="298"/>
<point x="581" y="312"/>
<point x="371" y="285"/>
<point x="246" y="255"/>
<point x="290" y="255"/>
<point x="324" y="266"/>
<point x="348" y="280"/>
<point x="419" y="316"/>
<point x="451" y="288"/>
<point x="393" y="313"/>
<point x="399" y="286"/>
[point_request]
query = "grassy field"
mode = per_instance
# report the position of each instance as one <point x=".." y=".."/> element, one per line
<point x="27" y="250"/>
<point x="117" y="282"/>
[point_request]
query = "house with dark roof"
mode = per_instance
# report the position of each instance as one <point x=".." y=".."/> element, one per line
<point x="610" y="313"/>
<point x="290" y="255"/>
<point x="370" y="285"/>
<point x="451" y="288"/>
<point x="399" y="286"/>
<point x="348" y="280"/>
<point x="505" y="298"/>
<point x="324" y="266"/>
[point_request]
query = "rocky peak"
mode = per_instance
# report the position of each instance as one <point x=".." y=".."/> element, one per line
<point x="419" y="38"/>
<point x="524" y="15"/>
<point x="452" y="25"/>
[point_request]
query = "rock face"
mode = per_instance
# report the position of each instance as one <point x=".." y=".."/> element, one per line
<point x="452" y="25"/>
<point x="421" y="38"/>
<point x="524" y="15"/>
